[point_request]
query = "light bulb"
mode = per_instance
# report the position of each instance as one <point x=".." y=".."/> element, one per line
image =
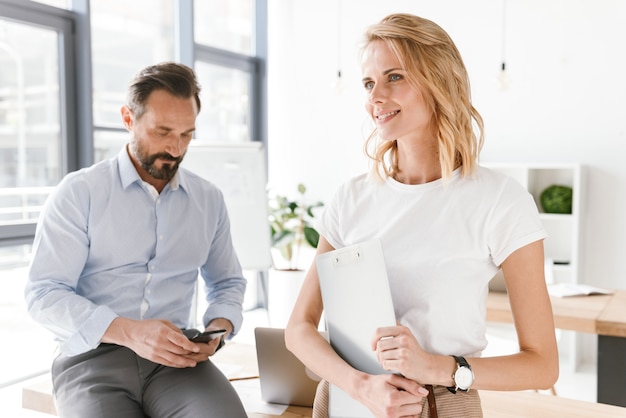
<point x="503" y="81"/>
<point x="338" y="84"/>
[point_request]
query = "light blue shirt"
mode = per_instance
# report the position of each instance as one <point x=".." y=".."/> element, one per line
<point x="108" y="245"/>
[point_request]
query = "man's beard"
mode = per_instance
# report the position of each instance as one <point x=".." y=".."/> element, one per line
<point x="167" y="170"/>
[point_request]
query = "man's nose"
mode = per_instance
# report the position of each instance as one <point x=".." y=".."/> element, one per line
<point x="174" y="146"/>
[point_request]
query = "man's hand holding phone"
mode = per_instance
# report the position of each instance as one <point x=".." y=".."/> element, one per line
<point x="206" y="336"/>
<point x="209" y="341"/>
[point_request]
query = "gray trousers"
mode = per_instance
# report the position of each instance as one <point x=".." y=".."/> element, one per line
<point x="113" y="381"/>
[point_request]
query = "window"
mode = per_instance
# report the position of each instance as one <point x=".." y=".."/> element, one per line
<point x="124" y="39"/>
<point x="36" y="134"/>
<point x="30" y="122"/>
<point x="225" y="25"/>
<point x="225" y="96"/>
<point x="227" y="69"/>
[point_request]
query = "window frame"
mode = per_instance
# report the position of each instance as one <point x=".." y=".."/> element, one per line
<point x="189" y="51"/>
<point x="63" y="22"/>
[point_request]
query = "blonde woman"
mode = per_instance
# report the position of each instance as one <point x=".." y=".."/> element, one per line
<point x="447" y="225"/>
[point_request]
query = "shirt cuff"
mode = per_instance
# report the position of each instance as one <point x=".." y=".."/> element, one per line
<point x="90" y="333"/>
<point x="232" y="313"/>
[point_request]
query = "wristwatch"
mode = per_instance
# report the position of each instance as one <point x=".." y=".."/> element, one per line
<point x="463" y="375"/>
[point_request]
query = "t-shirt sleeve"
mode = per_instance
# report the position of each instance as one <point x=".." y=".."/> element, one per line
<point x="514" y="222"/>
<point x="329" y="223"/>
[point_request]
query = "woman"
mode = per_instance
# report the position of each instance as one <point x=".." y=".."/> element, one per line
<point x="446" y="225"/>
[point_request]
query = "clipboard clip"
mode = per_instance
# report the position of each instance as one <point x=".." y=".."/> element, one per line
<point x="347" y="257"/>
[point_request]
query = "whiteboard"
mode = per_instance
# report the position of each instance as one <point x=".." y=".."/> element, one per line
<point x="238" y="169"/>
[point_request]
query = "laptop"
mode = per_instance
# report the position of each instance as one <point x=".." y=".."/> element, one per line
<point x="283" y="378"/>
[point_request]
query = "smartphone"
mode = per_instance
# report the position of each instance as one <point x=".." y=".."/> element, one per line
<point x="206" y="336"/>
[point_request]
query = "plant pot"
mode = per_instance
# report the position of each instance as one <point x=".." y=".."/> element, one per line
<point x="282" y="291"/>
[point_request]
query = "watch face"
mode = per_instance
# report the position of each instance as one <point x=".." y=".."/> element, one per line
<point x="463" y="378"/>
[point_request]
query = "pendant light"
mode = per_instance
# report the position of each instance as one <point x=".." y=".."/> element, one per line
<point x="503" y="81"/>
<point x="338" y="84"/>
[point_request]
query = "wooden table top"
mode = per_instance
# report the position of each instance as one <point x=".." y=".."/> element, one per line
<point x="612" y="320"/>
<point x="529" y="404"/>
<point x="596" y="314"/>
<point x="525" y="404"/>
<point x="291" y="412"/>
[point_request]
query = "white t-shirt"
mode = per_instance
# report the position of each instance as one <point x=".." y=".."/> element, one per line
<point x="442" y="244"/>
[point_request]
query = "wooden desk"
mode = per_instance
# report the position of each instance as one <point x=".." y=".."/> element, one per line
<point x="579" y="313"/>
<point x="291" y="412"/>
<point x="38" y="397"/>
<point x="604" y="315"/>
<point x="612" y="319"/>
<point x="533" y="405"/>
<point x="495" y="404"/>
<point x="526" y="404"/>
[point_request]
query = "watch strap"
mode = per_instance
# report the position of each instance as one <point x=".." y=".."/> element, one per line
<point x="460" y="362"/>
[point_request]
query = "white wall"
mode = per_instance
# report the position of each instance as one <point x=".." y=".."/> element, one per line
<point x="567" y="64"/>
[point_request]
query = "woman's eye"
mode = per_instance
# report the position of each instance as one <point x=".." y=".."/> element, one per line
<point x="368" y="85"/>
<point x="395" y="77"/>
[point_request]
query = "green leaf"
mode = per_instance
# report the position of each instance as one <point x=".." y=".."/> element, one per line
<point x="311" y="236"/>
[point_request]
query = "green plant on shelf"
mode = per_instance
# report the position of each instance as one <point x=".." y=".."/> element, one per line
<point x="557" y="199"/>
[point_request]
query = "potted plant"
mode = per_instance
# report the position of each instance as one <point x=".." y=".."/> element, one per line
<point x="291" y="228"/>
<point x="291" y="231"/>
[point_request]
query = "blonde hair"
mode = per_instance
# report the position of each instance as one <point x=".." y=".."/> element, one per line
<point x="435" y="68"/>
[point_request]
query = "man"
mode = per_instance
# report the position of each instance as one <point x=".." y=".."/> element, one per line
<point x="115" y="262"/>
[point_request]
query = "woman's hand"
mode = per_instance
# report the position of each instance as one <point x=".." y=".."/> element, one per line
<point x="398" y="351"/>
<point x="392" y="396"/>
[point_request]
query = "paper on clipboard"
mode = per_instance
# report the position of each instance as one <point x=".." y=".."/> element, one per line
<point x="357" y="300"/>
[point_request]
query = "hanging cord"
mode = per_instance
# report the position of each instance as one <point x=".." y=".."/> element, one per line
<point x="503" y="35"/>
<point x="503" y="80"/>
<point x="338" y="40"/>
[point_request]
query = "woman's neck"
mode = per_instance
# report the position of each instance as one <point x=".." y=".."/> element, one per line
<point x="418" y="162"/>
